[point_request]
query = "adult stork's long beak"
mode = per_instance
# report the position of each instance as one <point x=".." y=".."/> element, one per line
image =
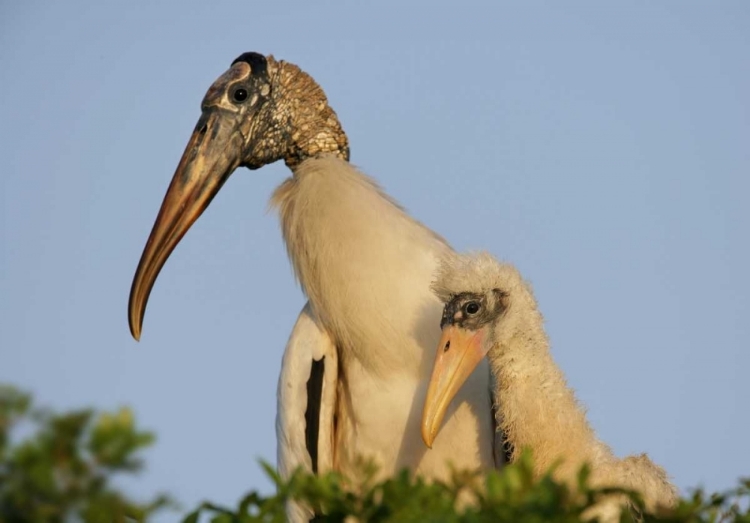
<point x="458" y="354"/>
<point x="222" y="140"/>
<point x="212" y="154"/>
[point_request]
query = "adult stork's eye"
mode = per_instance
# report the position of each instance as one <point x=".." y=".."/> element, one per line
<point x="472" y="308"/>
<point x="239" y="95"/>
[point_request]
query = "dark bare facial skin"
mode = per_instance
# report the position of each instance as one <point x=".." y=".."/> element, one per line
<point x="473" y="311"/>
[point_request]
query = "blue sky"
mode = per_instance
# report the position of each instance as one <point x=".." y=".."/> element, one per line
<point x="601" y="147"/>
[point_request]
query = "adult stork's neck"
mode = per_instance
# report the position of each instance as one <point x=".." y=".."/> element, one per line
<point x="364" y="264"/>
<point x="304" y="121"/>
<point x="536" y="408"/>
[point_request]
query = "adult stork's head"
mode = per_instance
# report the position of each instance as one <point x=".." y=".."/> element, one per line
<point x="259" y="111"/>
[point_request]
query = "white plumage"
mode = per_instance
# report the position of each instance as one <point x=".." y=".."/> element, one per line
<point x="366" y="267"/>
<point x="355" y="370"/>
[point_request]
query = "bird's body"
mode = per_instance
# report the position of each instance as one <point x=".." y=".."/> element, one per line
<point x="366" y="268"/>
<point x="490" y="310"/>
<point x="355" y="369"/>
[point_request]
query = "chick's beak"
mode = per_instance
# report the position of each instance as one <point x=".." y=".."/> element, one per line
<point x="458" y="354"/>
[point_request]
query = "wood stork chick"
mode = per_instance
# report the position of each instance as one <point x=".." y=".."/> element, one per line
<point x="491" y="311"/>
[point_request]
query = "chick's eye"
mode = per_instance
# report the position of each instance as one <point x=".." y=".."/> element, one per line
<point x="239" y="94"/>
<point x="472" y="307"/>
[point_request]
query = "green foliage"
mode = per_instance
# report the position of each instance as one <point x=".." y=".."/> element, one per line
<point x="61" y="471"/>
<point x="510" y="495"/>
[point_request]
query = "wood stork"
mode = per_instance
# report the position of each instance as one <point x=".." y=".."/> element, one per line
<point x="490" y="310"/>
<point x="355" y="369"/>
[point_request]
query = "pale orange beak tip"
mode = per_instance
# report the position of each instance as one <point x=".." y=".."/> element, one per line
<point x="427" y="436"/>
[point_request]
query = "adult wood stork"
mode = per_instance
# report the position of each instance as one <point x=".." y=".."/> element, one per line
<point x="355" y="370"/>
<point x="490" y="310"/>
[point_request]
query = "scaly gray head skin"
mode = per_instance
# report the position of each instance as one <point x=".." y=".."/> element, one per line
<point x="259" y="111"/>
<point x="473" y="311"/>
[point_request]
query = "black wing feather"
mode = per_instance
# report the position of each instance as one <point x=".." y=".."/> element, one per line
<point x="312" y="413"/>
